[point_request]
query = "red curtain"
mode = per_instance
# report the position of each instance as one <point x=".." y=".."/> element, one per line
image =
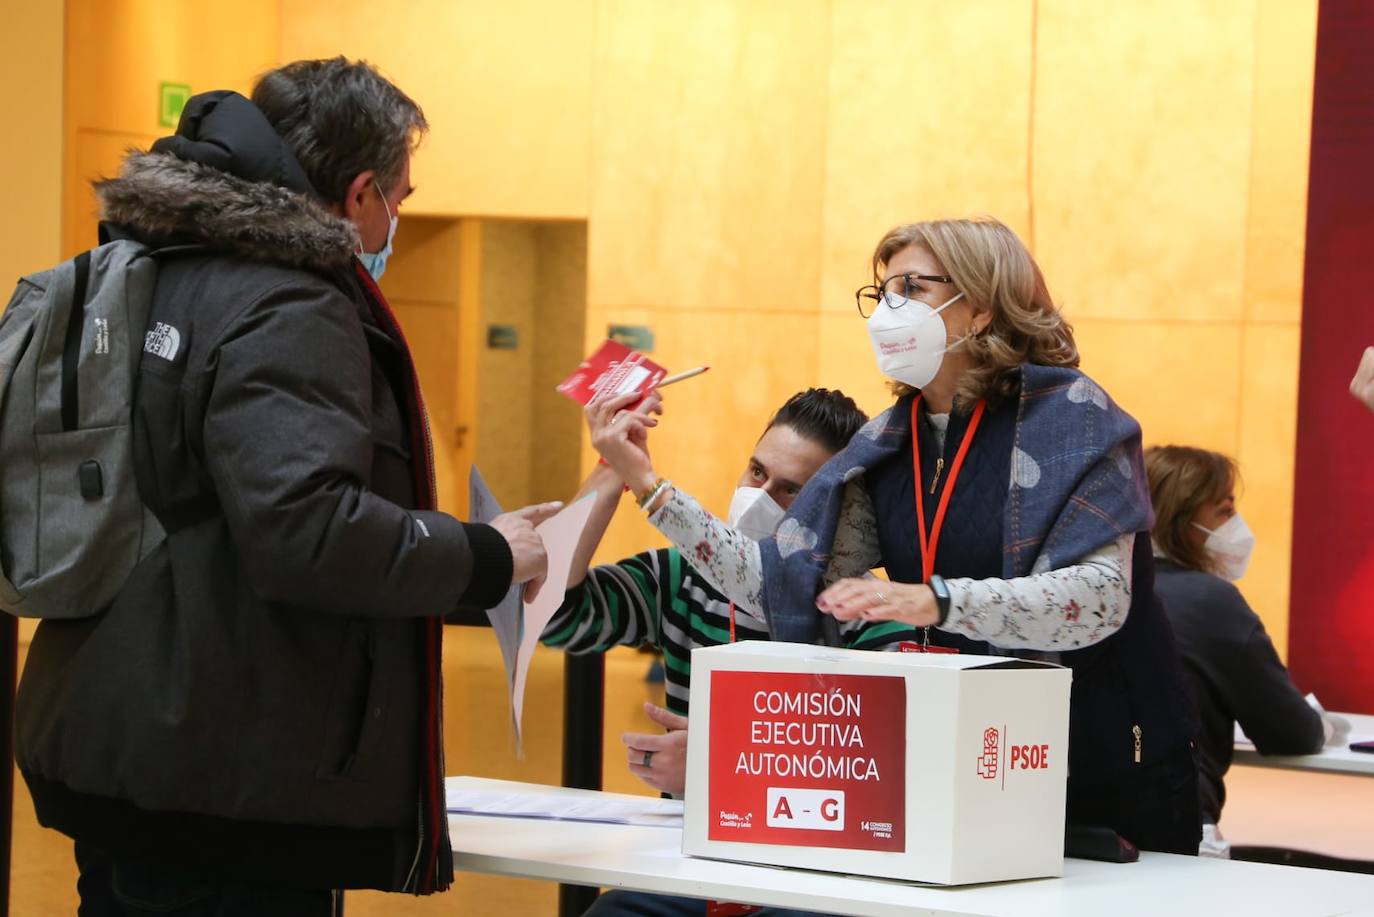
<point x="1331" y="630"/>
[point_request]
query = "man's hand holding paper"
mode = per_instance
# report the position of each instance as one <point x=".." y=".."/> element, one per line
<point x="528" y="555"/>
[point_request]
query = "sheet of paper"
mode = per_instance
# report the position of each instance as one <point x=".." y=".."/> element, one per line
<point x="505" y="617"/>
<point x="560" y="535"/>
<point x="660" y="813"/>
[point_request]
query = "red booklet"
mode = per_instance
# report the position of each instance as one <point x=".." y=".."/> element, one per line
<point x="613" y="368"/>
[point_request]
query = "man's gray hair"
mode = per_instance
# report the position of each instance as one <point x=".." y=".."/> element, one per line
<point x="341" y="118"/>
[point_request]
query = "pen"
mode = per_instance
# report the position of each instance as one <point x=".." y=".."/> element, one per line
<point x="685" y="374"/>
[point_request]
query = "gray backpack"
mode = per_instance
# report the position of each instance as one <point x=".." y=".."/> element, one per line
<point x="72" y="526"/>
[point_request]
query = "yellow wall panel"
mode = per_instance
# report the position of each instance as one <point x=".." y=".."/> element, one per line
<point x="1141" y="156"/>
<point x="431" y="329"/>
<point x="422" y="283"/>
<point x="507" y="89"/>
<point x="506" y="394"/>
<point x="560" y="332"/>
<point x="117" y="54"/>
<point x="1181" y="381"/>
<point x="525" y="435"/>
<point x="32" y="67"/>
<point x="31" y="233"/>
<point x="432" y="272"/>
<point x="846" y="361"/>
<point x="1268" y="432"/>
<point x="122" y="50"/>
<point x="1285" y="48"/>
<point x="917" y="130"/>
<point x="96" y="154"/>
<point x="708" y="154"/>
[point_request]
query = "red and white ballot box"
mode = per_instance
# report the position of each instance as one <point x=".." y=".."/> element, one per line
<point x="947" y="769"/>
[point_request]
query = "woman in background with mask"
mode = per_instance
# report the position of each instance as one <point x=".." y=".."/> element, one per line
<point x="1202" y="545"/>
<point x="1005" y="495"/>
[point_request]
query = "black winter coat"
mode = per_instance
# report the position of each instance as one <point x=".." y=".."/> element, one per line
<point x="262" y="698"/>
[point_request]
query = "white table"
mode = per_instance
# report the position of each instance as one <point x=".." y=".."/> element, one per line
<point x="650" y="859"/>
<point x="1335" y="759"/>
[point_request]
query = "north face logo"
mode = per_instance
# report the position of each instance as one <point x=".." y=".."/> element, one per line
<point x="163" y="341"/>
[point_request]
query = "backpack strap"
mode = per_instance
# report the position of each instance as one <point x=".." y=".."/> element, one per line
<point x="71" y="345"/>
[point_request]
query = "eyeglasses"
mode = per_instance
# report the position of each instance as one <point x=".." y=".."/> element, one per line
<point x="905" y="286"/>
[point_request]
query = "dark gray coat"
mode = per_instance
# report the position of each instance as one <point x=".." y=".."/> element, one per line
<point x="1236" y="677"/>
<point x="256" y="697"/>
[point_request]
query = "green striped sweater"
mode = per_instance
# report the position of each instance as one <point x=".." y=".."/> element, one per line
<point x="657" y="598"/>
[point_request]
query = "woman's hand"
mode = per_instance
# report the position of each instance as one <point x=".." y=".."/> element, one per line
<point x="622" y="435"/>
<point x="879" y="600"/>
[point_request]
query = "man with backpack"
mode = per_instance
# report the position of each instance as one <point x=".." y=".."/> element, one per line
<point x="255" y="719"/>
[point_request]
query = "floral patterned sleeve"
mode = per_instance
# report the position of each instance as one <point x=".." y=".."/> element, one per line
<point x="732" y="561"/>
<point x="729" y="560"/>
<point x="1062" y="609"/>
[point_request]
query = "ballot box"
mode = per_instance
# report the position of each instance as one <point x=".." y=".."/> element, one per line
<point x="939" y="768"/>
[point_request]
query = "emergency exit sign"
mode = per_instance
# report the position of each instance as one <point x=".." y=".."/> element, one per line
<point x="171" y="99"/>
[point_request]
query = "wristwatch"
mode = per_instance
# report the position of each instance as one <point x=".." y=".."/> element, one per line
<point x="937" y="586"/>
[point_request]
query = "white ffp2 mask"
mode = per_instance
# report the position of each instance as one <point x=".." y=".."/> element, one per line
<point x="909" y="338"/>
<point x="754" y="514"/>
<point x="1230" y="545"/>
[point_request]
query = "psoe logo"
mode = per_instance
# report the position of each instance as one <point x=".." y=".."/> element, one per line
<point x="817" y="810"/>
<point x="987" y="761"/>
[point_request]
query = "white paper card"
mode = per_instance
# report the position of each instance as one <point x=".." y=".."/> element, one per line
<point x="659" y="813"/>
<point x="560" y="535"/>
<point x="505" y="617"/>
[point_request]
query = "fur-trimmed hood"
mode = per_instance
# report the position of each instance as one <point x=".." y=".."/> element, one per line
<point x="159" y="196"/>
<point x="227" y="180"/>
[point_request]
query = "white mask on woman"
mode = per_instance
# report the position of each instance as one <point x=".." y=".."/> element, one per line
<point x="909" y="338"/>
<point x="754" y="514"/>
<point x="1230" y="545"/>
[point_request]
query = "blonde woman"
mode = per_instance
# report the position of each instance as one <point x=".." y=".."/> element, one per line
<point x="1202" y="544"/>
<point x="1034" y="516"/>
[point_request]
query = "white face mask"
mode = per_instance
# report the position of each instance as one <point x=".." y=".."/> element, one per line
<point x="1230" y="545"/>
<point x="909" y="338"/>
<point x="754" y="514"/>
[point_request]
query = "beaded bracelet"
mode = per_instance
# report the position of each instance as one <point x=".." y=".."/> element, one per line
<point x="649" y="498"/>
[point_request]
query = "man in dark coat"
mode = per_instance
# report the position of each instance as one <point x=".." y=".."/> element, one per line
<point x="256" y="720"/>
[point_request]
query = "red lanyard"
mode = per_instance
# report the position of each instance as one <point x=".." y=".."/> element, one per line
<point x="929" y="545"/>
<point x="732" y="622"/>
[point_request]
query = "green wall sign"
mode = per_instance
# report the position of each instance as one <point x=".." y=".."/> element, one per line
<point x="635" y="337"/>
<point x="171" y="99"/>
<point x="503" y="337"/>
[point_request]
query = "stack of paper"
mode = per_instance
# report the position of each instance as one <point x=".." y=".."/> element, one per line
<point x="613" y="810"/>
